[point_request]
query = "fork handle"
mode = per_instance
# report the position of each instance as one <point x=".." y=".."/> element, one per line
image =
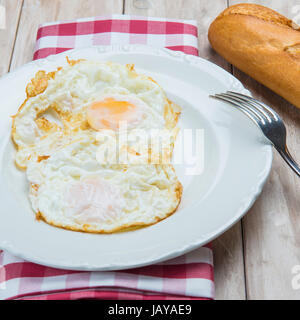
<point x="285" y="154"/>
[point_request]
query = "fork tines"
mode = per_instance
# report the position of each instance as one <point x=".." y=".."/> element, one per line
<point x="256" y="110"/>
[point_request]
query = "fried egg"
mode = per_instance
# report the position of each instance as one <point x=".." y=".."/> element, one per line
<point x="67" y="132"/>
<point x="87" y="96"/>
<point x="71" y="190"/>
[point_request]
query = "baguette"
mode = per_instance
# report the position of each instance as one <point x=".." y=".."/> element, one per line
<point x="262" y="43"/>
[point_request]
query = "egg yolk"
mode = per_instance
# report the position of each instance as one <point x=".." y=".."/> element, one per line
<point x="109" y="113"/>
<point x="93" y="201"/>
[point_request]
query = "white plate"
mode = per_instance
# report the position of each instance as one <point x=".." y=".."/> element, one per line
<point x="237" y="161"/>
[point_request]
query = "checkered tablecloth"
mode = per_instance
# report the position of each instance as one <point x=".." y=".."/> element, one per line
<point x="187" y="277"/>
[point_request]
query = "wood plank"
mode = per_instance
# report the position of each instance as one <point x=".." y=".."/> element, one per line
<point x="8" y="34"/>
<point x="228" y="254"/>
<point x="40" y="11"/>
<point x="229" y="265"/>
<point x="271" y="228"/>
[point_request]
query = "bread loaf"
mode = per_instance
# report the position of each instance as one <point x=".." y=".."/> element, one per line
<point x="263" y="44"/>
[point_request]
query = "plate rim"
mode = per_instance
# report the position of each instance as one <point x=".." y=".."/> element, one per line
<point x="246" y="204"/>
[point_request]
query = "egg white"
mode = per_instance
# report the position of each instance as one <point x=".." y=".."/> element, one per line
<point x="63" y="151"/>
<point x="148" y="193"/>
<point x="69" y="91"/>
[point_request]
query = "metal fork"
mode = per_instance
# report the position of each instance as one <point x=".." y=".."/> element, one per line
<point x="266" y="118"/>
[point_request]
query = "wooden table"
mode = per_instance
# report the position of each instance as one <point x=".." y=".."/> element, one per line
<point x="254" y="259"/>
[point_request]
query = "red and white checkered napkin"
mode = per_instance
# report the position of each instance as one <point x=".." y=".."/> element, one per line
<point x="173" y="34"/>
<point x="187" y="277"/>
